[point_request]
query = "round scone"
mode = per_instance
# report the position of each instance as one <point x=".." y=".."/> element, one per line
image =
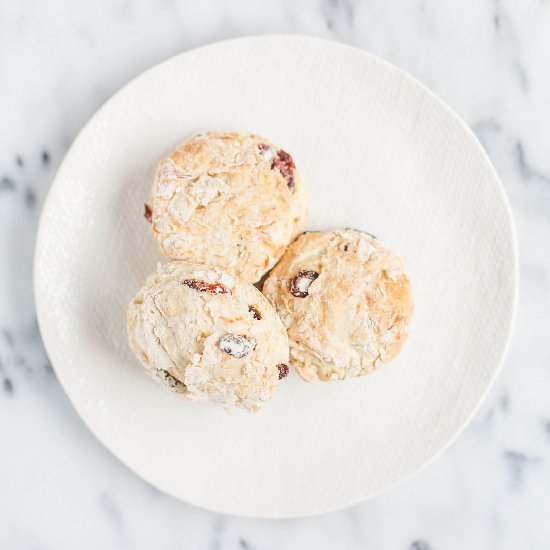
<point x="345" y="301"/>
<point x="234" y="201"/>
<point x="208" y="335"/>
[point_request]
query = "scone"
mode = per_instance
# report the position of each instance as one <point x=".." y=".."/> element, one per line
<point x="208" y="335"/>
<point x="345" y="301"/>
<point x="234" y="201"/>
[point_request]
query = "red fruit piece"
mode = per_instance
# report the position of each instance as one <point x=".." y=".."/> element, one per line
<point x="284" y="163"/>
<point x="299" y="286"/>
<point x="203" y="286"/>
<point x="283" y="370"/>
<point x="148" y="213"/>
<point x="255" y="312"/>
<point x="236" y="345"/>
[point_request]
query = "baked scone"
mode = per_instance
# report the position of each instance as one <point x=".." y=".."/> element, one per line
<point x="208" y="335"/>
<point x="234" y="201"/>
<point x="345" y="301"/>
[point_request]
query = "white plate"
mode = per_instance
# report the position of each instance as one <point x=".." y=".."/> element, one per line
<point x="378" y="152"/>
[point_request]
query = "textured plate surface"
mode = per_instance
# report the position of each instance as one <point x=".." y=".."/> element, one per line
<point x="378" y="152"/>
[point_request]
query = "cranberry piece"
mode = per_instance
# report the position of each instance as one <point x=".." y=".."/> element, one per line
<point x="148" y="213"/>
<point x="255" y="312"/>
<point x="283" y="371"/>
<point x="203" y="286"/>
<point x="236" y="345"/>
<point x="284" y="163"/>
<point x="299" y="286"/>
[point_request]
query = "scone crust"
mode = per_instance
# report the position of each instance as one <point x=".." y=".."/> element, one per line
<point x="230" y="200"/>
<point x="356" y="312"/>
<point x="179" y="321"/>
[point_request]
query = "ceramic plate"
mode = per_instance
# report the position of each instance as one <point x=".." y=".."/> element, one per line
<point x="377" y="152"/>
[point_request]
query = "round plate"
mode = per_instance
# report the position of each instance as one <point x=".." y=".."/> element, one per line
<point x="377" y="152"/>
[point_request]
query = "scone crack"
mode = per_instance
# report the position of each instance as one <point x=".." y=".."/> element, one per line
<point x="171" y="381"/>
<point x="162" y="346"/>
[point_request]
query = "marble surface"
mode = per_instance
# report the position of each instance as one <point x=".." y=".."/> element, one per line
<point x="60" y="60"/>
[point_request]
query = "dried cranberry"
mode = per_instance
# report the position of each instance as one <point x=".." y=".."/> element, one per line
<point x="148" y="213"/>
<point x="299" y="286"/>
<point x="203" y="286"/>
<point x="255" y="312"/>
<point x="236" y="345"/>
<point x="283" y="370"/>
<point x="284" y="163"/>
<point x="263" y="147"/>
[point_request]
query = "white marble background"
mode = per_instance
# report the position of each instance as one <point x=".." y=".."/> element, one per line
<point x="60" y="60"/>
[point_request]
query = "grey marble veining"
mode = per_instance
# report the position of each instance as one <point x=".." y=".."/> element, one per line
<point x="59" y="61"/>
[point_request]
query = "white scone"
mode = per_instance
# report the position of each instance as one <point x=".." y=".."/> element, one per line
<point x="234" y="201"/>
<point x="208" y="335"/>
<point x="345" y="301"/>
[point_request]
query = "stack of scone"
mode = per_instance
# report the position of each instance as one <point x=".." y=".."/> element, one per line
<point x="226" y="209"/>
